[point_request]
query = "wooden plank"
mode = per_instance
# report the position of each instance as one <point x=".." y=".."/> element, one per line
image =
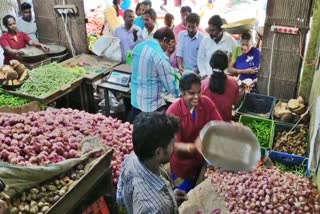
<point x="281" y="88"/>
<point x="73" y="197"/>
<point x="64" y="90"/>
<point x="51" y="28"/>
<point x="97" y="69"/>
<point x="289" y="12"/>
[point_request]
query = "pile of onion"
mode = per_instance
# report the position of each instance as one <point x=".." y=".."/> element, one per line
<point x="54" y="135"/>
<point x="266" y="191"/>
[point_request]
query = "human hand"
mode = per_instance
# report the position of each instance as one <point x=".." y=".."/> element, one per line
<point x="253" y="70"/>
<point x="19" y="52"/>
<point x="181" y="71"/>
<point x="135" y="34"/>
<point x="44" y="47"/>
<point x="180" y="196"/>
<point x="198" y="144"/>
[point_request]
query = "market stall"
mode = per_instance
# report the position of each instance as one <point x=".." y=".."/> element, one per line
<point x="94" y="69"/>
<point x="280" y="182"/>
<point x="51" y="143"/>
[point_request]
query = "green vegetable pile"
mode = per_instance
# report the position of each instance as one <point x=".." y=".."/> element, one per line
<point x="262" y="130"/>
<point x="47" y="79"/>
<point x="297" y="170"/>
<point x="78" y="70"/>
<point x="9" y="100"/>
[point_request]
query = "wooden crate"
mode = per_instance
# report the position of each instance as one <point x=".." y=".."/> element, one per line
<point x="99" y="173"/>
<point x="64" y="90"/>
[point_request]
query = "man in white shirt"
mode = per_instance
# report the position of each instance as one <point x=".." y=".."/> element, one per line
<point x="129" y="34"/>
<point x="26" y="23"/>
<point x="217" y="40"/>
<point x="149" y="19"/>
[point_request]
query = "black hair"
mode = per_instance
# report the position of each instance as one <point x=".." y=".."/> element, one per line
<point x="127" y="11"/>
<point x="168" y="18"/>
<point x="164" y="33"/>
<point x="151" y="131"/>
<point x="185" y="9"/>
<point x="151" y="12"/>
<point x="147" y="3"/>
<point x="246" y="36"/>
<point x="25" y="6"/>
<point x="187" y="80"/>
<point x="115" y="3"/>
<point x="5" y="20"/>
<point x="217" y="21"/>
<point x="193" y="18"/>
<point x="219" y="61"/>
<point x="138" y="6"/>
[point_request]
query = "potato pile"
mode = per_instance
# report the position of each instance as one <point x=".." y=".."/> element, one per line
<point x="292" y="111"/>
<point x="41" y="198"/>
<point x="13" y="74"/>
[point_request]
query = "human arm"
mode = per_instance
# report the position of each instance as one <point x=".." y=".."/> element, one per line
<point x="38" y="45"/>
<point x="232" y="65"/>
<point x="165" y="72"/>
<point x="179" y="53"/>
<point x="111" y="19"/>
<point x="7" y="49"/>
<point x="181" y="147"/>
<point x="201" y="59"/>
<point x="137" y="36"/>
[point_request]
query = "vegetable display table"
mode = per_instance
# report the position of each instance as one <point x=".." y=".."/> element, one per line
<point x="65" y="90"/>
<point x="120" y="83"/>
<point x="97" y="68"/>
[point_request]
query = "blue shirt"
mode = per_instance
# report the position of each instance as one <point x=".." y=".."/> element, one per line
<point x="151" y="72"/>
<point x="127" y="39"/>
<point x="125" y="5"/>
<point x="248" y="60"/>
<point x="188" y="49"/>
<point x="143" y="192"/>
<point x="139" y="22"/>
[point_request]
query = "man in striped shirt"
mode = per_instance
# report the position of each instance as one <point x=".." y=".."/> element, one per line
<point x="151" y="72"/>
<point x="143" y="186"/>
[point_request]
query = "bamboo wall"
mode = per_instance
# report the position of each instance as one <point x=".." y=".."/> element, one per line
<point x="287" y="49"/>
<point x="51" y="28"/>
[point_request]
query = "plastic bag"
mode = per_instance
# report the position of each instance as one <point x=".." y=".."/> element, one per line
<point x="203" y="199"/>
<point x="109" y="47"/>
<point x="20" y="178"/>
<point x="116" y="106"/>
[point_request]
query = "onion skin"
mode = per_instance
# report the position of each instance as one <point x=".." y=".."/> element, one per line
<point x="52" y="136"/>
<point x="265" y="190"/>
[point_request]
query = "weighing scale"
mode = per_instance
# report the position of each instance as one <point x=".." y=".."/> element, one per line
<point x="118" y="79"/>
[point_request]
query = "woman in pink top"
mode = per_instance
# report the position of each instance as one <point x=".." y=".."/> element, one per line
<point x="223" y="90"/>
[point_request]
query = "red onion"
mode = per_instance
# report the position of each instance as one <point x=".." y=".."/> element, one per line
<point x="266" y="191"/>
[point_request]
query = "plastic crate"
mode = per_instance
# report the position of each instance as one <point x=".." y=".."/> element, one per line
<point x="289" y="160"/>
<point x="245" y="120"/>
<point x="257" y="105"/>
<point x="280" y="127"/>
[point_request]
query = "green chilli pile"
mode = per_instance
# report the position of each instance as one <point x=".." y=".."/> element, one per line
<point x="262" y="130"/>
<point x="47" y="79"/>
<point x="9" y="100"/>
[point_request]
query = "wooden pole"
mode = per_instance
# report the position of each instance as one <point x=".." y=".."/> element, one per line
<point x="311" y="60"/>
